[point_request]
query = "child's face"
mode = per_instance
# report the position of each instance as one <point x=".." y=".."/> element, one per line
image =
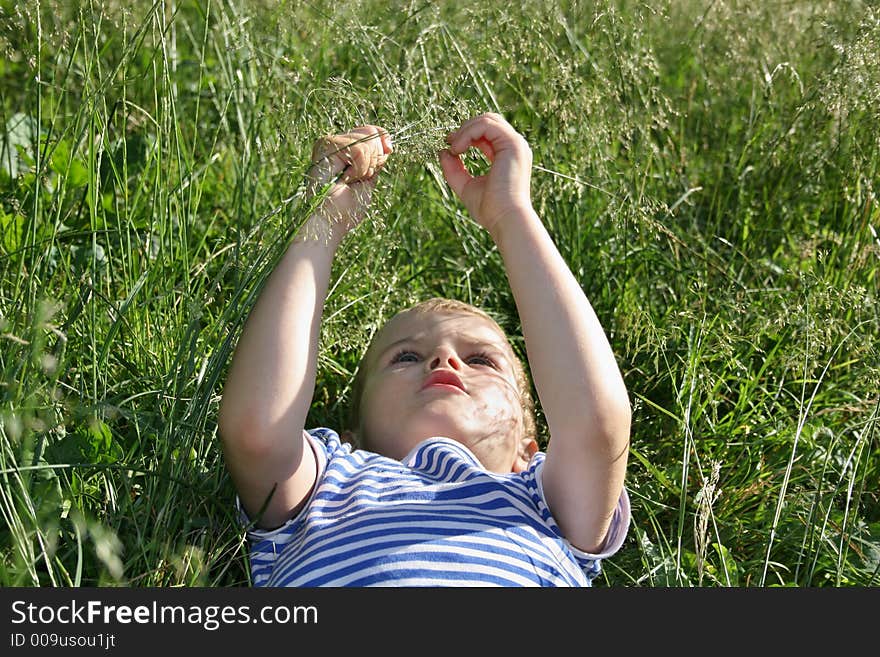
<point x="444" y="374"/>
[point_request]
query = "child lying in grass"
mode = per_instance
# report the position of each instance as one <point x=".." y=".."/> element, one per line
<point x="447" y="486"/>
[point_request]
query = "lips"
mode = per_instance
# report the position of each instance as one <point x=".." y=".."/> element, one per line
<point x="443" y="378"/>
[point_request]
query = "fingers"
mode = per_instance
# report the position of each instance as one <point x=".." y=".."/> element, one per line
<point x="454" y="171"/>
<point x="486" y="148"/>
<point x="361" y="161"/>
<point x="328" y="159"/>
<point x="358" y="154"/>
<point x="491" y="133"/>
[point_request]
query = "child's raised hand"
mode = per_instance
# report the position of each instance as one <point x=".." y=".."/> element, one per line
<point x="505" y="188"/>
<point x="349" y="161"/>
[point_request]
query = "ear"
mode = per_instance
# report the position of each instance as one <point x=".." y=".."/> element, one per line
<point x="527" y="448"/>
<point x="350" y="437"/>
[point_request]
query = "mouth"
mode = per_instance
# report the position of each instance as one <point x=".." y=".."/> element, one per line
<point x="444" y="379"/>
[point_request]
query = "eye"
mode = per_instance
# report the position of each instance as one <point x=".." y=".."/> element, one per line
<point x="405" y="356"/>
<point x="481" y="359"/>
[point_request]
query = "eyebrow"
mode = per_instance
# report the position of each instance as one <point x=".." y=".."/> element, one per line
<point x="381" y="353"/>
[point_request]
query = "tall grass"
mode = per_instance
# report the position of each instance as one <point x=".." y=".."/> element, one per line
<point x="708" y="170"/>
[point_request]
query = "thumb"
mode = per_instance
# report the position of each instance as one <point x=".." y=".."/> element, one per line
<point x="326" y="169"/>
<point x="453" y="170"/>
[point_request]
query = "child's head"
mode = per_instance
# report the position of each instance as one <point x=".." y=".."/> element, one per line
<point x="444" y="368"/>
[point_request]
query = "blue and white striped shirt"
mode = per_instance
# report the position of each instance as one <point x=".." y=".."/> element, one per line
<point x="437" y="518"/>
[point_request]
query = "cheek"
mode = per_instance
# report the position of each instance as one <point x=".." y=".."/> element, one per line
<point x="503" y="407"/>
<point x="372" y="412"/>
<point x="378" y="400"/>
<point x="370" y="400"/>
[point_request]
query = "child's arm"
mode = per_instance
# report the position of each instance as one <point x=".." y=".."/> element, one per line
<point x="271" y="380"/>
<point x="579" y="385"/>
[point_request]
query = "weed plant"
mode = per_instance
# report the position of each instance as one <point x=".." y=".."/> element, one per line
<point x="708" y="170"/>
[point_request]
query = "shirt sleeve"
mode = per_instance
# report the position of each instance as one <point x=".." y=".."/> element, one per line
<point x="617" y="530"/>
<point x="318" y="439"/>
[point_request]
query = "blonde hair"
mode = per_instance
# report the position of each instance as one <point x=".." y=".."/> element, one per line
<point x="452" y="306"/>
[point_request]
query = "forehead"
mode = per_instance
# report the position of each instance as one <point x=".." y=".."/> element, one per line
<point x="417" y="326"/>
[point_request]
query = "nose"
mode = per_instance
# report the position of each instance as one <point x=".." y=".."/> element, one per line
<point x="444" y="356"/>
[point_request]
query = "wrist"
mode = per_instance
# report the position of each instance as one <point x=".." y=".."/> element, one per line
<point x="320" y="229"/>
<point x="511" y="220"/>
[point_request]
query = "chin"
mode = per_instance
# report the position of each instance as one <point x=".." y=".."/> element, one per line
<point x="404" y="438"/>
<point x="432" y="426"/>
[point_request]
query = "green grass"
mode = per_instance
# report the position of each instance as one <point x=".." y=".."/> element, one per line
<point x="708" y="170"/>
